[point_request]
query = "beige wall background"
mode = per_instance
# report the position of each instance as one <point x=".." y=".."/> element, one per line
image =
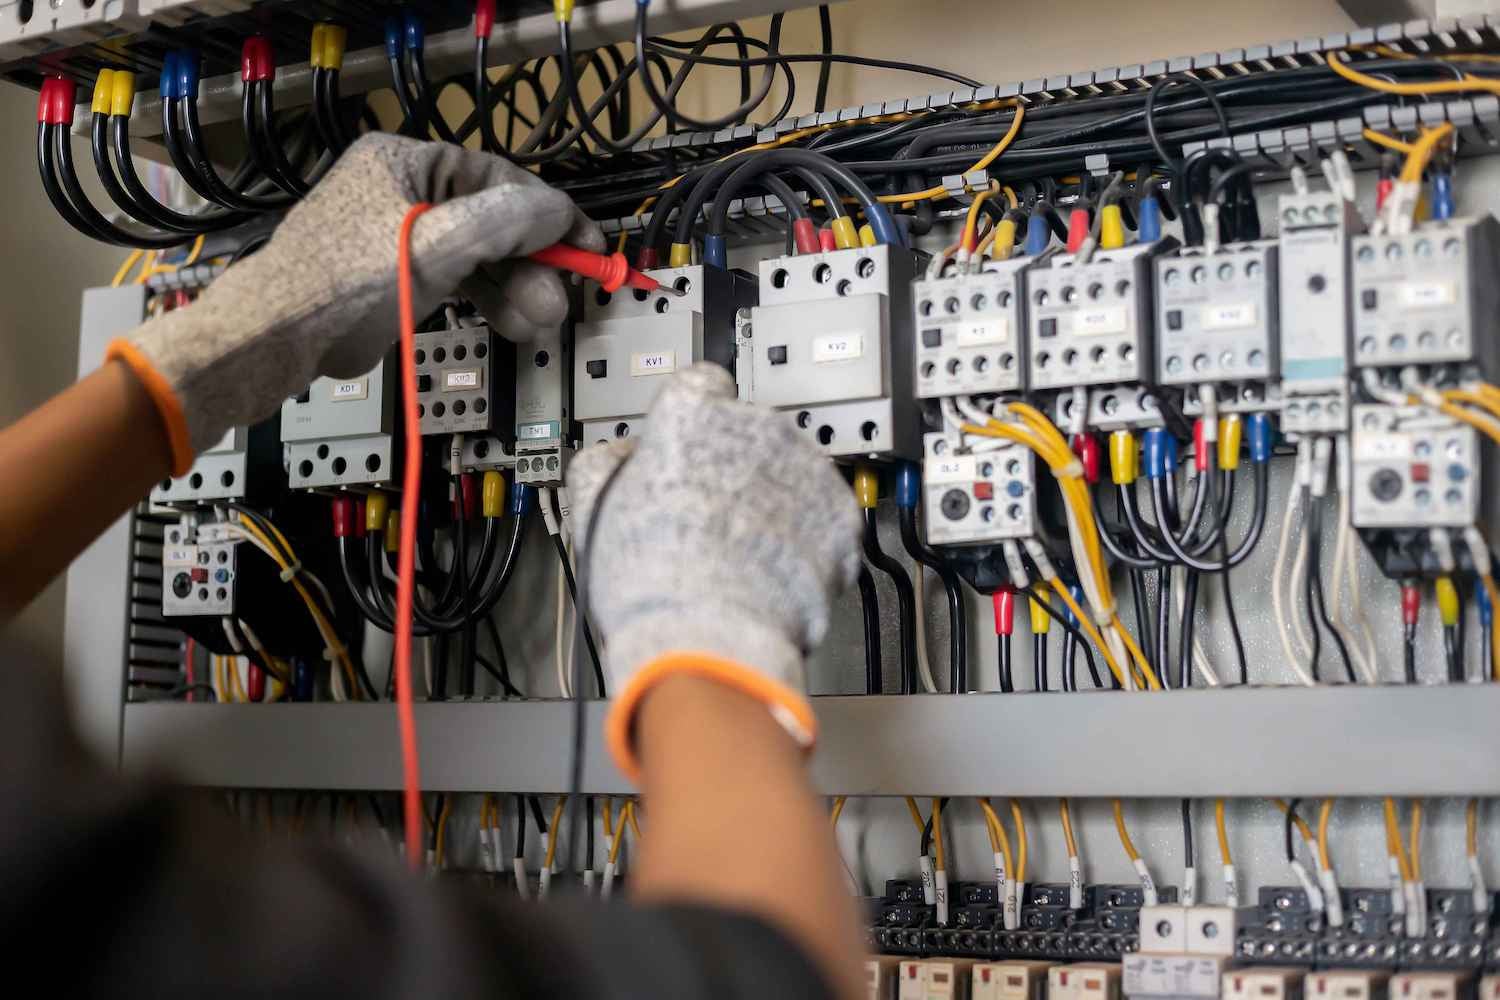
<point x="48" y="265"/>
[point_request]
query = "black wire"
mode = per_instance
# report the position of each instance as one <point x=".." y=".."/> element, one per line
<point x="1409" y="652"/>
<point x="1154" y="95"/>
<point x="1039" y="661"/>
<point x="869" y="602"/>
<point x="1187" y="832"/>
<point x="520" y="826"/>
<point x="816" y="57"/>
<point x="1234" y="619"/>
<point x="1307" y="590"/>
<point x="588" y="832"/>
<point x="825" y="34"/>
<point x="1078" y="637"/>
<point x="1069" y="662"/>
<point x="1163" y="625"/>
<point x="588" y="635"/>
<point x="421" y="94"/>
<point x="958" y="630"/>
<point x="906" y="600"/>
<point x="1450" y="654"/>
<point x="1007" y="683"/>
<point x="1291" y="818"/>
<point x="1185" y="634"/>
<point x="1314" y="572"/>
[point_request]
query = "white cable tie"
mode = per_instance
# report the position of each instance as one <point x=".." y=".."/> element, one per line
<point x="1431" y="397"/>
<point x="291" y="571"/>
<point x="1442" y="548"/>
<point x="1073" y="470"/>
<point x="1103" y="617"/>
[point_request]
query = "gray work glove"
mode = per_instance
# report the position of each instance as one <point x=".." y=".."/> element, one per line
<point x="320" y="298"/>
<point x="721" y="544"/>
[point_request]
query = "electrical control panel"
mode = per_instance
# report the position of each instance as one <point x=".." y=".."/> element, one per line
<point x="244" y="464"/>
<point x="338" y="432"/>
<point x="833" y="348"/>
<point x="464" y="386"/>
<point x="1091" y="324"/>
<point x="1428" y="296"/>
<point x="1413" y="468"/>
<point x="199" y="569"/>
<point x="632" y="340"/>
<point x="971" y="331"/>
<point x="980" y="497"/>
<point x="1216" y="314"/>
<point x="544" y="392"/>
<point x="1314" y="307"/>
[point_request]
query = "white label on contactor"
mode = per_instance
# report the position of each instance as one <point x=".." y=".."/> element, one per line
<point x="179" y="557"/>
<point x="1428" y="294"/>
<point x="341" y="391"/>
<point x="957" y="469"/>
<point x="994" y="331"/>
<point x="838" y="347"/>
<point x="653" y="363"/>
<point x="1228" y="316"/>
<point x="467" y="379"/>
<point x="1105" y="319"/>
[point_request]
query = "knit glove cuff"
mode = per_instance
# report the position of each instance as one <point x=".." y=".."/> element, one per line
<point x="717" y="642"/>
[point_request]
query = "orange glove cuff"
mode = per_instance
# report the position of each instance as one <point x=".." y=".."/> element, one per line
<point x="174" y="421"/>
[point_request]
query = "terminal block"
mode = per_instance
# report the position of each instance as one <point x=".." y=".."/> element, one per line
<point x="464" y="383"/>
<point x="632" y="338"/>
<point x="1091" y="324"/>
<point x="1216" y="315"/>
<point x="1413" y="468"/>
<point x="199" y="570"/>
<point x="243" y="465"/>
<point x="980" y="497"/>
<point x="833" y="348"/>
<point x="1427" y="297"/>
<point x="1314" y="310"/>
<point x="971" y="331"/>
<point x="338" y="432"/>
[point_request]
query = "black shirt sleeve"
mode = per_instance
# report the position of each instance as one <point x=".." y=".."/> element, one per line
<point x="122" y="889"/>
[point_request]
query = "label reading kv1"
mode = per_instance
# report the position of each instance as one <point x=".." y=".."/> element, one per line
<point x="838" y="347"/>
<point x="342" y="392"/>
<point x="653" y="363"/>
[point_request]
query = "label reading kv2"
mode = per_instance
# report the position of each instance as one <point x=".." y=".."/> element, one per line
<point x="838" y="347"/>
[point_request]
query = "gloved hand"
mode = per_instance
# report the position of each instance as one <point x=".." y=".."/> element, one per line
<point x="720" y="546"/>
<point x="320" y="298"/>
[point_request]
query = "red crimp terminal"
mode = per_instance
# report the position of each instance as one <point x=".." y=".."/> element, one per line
<point x="484" y="18"/>
<point x="359" y="518"/>
<point x="255" y="683"/>
<point x="827" y="242"/>
<point x="60" y="101"/>
<point x="805" y="236"/>
<point x="343" y="512"/>
<point x="1078" y="228"/>
<point x="647" y="259"/>
<point x="1383" y="188"/>
<point x="1200" y="446"/>
<point x="468" y="486"/>
<point x="1005" y="611"/>
<point x="257" y="61"/>
<point x="1411" y="605"/>
<point x="44" y="100"/>
<point x="1086" y="447"/>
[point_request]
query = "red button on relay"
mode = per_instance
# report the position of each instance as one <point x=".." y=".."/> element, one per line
<point x="200" y="574"/>
<point x="1421" y="472"/>
<point x="984" y="491"/>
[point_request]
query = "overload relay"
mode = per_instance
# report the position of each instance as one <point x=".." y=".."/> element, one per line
<point x="971" y="331"/>
<point x="1413" y="468"/>
<point x="980" y="497"/>
<point x="1216" y="315"/>
<point x="199" y="570"/>
<point x="1429" y="296"/>
<point x="338" y="432"/>
<point x="1091" y="324"/>
<point x="631" y="339"/>
<point x="833" y="347"/>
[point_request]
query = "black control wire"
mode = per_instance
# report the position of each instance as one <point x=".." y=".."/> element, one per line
<point x="869" y="602"/>
<point x="906" y="598"/>
<point x="958" y="641"/>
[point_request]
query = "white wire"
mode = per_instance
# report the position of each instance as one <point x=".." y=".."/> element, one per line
<point x="1342" y="559"/>
<point x="1294" y="658"/>
<point x="924" y="663"/>
<point x="1179" y="595"/>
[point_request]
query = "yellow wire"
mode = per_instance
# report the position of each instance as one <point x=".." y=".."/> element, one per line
<point x="1421" y="152"/>
<point x="1381" y="139"/>
<point x="937" y="831"/>
<point x="557" y="812"/>
<point x="916" y="815"/>
<point x="1010" y="195"/>
<point x="1302" y="827"/>
<point x="1067" y="825"/>
<point x="983" y="163"/>
<point x="124" y="271"/>
<point x="1125" y="842"/>
<point x="195" y="252"/>
<point x="1468" y="83"/>
<point x="630" y="818"/>
<point x="1416" y="840"/>
<point x="1020" y="821"/>
<point x="240" y="693"/>
<point x="838" y="810"/>
<point x="486" y="803"/>
<point x="1324" y="814"/>
<point x="1393" y="840"/>
<point x="971" y="222"/>
<point x="638" y="213"/>
<point x="1223" y="831"/>
<point x="442" y="830"/>
<point x="998" y="835"/>
<point x="609" y="818"/>
<point x="1471" y="829"/>
<point x="614" y="849"/>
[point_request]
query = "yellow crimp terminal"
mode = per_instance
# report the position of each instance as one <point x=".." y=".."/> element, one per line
<point x="1004" y="242"/>
<point x="866" y="487"/>
<point x="121" y="92"/>
<point x="1447" y="600"/>
<point x="315" y="55"/>
<point x="1124" y="460"/>
<point x="103" y="91"/>
<point x="563" y="9"/>
<point x="1230" y="429"/>
<point x="335" y="41"/>
<point x="377" y="511"/>
<point x="1041" y="622"/>
<point x="681" y="255"/>
<point x="393" y="531"/>
<point x="845" y="236"/>
<point x="867" y="236"/>
<point x="1111" y="228"/>
<point x="493" y="494"/>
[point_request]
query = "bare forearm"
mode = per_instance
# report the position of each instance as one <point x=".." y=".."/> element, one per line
<point x="70" y="469"/>
<point x="734" y="821"/>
